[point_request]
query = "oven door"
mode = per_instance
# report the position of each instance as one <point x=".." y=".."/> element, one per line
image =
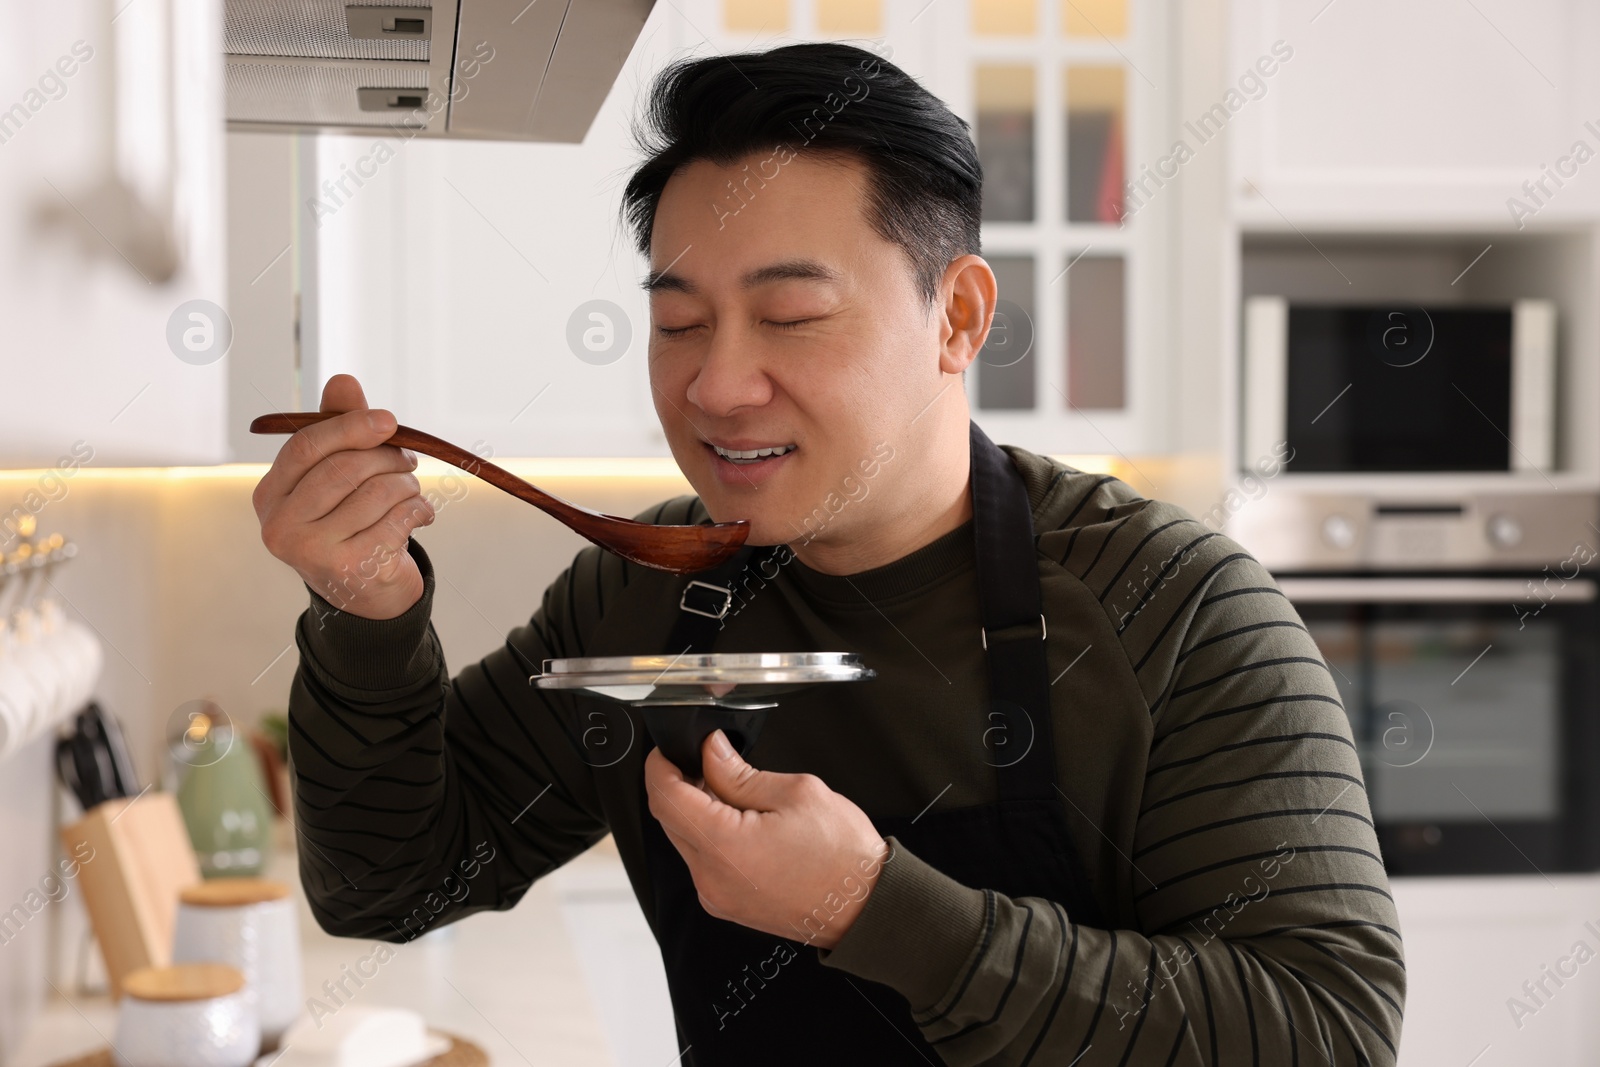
<point x="1473" y="701"/>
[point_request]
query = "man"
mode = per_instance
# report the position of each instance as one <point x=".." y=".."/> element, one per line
<point x="1132" y="830"/>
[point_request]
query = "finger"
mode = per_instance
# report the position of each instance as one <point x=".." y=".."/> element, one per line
<point x="685" y="839"/>
<point x="658" y="773"/>
<point x="688" y="847"/>
<point x="737" y="783"/>
<point x="320" y="443"/>
<point x="343" y="392"/>
<point x="677" y="804"/>
<point x="658" y="769"/>
<point x="361" y="512"/>
<point x="329" y="484"/>
<point x="375" y="552"/>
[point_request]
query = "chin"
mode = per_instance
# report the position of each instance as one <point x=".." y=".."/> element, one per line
<point x="768" y="504"/>
<point x="767" y="527"/>
<point x="773" y="519"/>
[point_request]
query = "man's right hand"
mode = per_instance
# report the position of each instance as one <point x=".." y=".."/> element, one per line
<point x="338" y="505"/>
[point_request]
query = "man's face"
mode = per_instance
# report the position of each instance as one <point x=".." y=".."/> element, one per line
<point x="786" y="320"/>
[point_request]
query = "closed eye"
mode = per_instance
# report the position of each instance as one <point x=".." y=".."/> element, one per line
<point x="666" y="331"/>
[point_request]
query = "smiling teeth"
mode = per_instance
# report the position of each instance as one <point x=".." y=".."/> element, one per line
<point x="758" y="453"/>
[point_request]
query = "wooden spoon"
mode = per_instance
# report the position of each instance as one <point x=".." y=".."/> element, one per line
<point x="675" y="549"/>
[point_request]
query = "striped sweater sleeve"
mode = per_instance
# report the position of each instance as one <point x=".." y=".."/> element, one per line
<point x="1260" y="928"/>
<point x="421" y="799"/>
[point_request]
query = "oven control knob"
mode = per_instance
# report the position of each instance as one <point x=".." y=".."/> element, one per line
<point x="1338" y="532"/>
<point x="1504" y="531"/>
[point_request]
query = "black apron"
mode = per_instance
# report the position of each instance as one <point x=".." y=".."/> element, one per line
<point x="741" y="996"/>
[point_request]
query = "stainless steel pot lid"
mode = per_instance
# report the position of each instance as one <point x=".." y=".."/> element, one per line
<point x="702" y="679"/>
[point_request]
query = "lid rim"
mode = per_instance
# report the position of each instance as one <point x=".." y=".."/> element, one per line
<point x="182" y="983"/>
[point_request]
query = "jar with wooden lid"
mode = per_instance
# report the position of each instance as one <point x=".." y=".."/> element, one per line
<point x="186" y="1015"/>
<point x="250" y="924"/>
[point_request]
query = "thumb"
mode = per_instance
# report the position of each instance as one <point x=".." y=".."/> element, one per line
<point x="343" y="392"/>
<point x="733" y="780"/>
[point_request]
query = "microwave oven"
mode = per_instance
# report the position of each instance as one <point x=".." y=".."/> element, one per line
<point x="1365" y="389"/>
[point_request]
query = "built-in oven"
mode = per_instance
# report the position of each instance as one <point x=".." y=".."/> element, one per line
<point x="1474" y="700"/>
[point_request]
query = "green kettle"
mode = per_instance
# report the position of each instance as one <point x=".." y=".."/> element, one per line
<point x="221" y="793"/>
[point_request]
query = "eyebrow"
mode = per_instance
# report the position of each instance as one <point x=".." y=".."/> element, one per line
<point x="788" y="270"/>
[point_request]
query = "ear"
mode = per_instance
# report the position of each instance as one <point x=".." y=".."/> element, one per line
<point x="970" y="292"/>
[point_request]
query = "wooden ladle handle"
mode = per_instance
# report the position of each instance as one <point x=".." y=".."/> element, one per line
<point x="675" y="549"/>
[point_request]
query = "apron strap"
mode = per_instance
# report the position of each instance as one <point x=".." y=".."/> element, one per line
<point x="1013" y="626"/>
<point x="706" y="600"/>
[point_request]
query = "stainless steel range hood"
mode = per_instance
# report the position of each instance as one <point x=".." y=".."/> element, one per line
<point x="512" y="70"/>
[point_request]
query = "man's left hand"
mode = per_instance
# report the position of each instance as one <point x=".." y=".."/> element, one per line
<point x="779" y="853"/>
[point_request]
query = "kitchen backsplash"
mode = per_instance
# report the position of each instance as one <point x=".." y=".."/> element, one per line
<point x="172" y="576"/>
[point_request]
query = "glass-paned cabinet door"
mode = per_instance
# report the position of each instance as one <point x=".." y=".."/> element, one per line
<point x="1097" y="332"/>
<point x="1066" y="98"/>
<point x="741" y="25"/>
<point x="1004" y="17"/>
<point x="755" y="16"/>
<point x="1005" y="134"/>
<point x="818" y="18"/>
<point x="1005" y="378"/>
<point x="1107" y="19"/>
<point x="1096" y="129"/>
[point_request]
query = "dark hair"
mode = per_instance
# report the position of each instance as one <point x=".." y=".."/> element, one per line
<point x="925" y="191"/>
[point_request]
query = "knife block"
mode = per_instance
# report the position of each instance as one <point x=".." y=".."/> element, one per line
<point x="134" y="859"/>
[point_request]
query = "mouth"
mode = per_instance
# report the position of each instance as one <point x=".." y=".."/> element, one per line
<point x="746" y="457"/>
<point x="738" y="470"/>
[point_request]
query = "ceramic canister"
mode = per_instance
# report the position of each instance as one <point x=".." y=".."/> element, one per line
<point x="186" y="1015"/>
<point x="249" y="923"/>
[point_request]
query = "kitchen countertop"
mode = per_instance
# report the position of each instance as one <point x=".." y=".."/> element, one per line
<point x="569" y="976"/>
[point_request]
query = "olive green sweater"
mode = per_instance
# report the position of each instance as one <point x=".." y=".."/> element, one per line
<point x="1204" y="756"/>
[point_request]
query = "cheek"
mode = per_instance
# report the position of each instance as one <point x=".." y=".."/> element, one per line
<point x="670" y="373"/>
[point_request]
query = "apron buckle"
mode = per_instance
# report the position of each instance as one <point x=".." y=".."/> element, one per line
<point x="983" y="632"/>
<point x="721" y="610"/>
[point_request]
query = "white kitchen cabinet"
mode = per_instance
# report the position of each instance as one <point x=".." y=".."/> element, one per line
<point x="448" y="282"/>
<point x="1428" y="111"/>
<point x="453" y="277"/>
<point x="1472" y="943"/>
<point x="91" y="300"/>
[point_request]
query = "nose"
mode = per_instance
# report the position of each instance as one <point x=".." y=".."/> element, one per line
<point x="731" y="376"/>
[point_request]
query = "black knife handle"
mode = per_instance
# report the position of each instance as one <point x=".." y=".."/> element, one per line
<point x="125" y="779"/>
